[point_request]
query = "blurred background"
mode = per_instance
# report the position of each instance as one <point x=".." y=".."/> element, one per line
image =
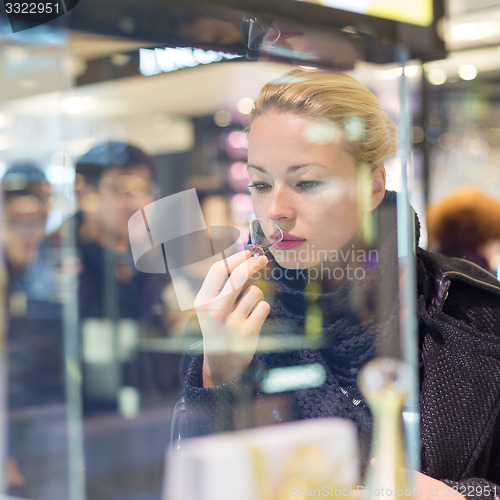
<point x="92" y="374"/>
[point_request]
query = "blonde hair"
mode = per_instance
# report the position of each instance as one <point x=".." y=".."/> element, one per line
<point x="370" y="135"/>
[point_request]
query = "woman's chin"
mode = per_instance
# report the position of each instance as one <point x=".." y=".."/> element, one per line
<point x="288" y="260"/>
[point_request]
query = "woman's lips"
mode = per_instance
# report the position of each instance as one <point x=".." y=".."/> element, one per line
<point x="288" y="242"/>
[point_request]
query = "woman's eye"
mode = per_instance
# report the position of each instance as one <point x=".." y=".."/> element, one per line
<point x="309" y="184"/>
<point x="258" y="186"/>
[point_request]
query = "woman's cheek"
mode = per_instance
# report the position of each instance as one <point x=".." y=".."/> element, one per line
<point x="259" y="207"/>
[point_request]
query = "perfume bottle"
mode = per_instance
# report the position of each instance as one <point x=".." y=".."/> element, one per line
<point x="264" y="233"/>
<point x="386" y="384"/>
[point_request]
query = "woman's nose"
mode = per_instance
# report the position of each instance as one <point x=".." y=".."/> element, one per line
<point x="281" y="205"/>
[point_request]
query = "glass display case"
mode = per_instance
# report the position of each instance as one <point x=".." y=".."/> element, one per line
<point x="137" y="150"/>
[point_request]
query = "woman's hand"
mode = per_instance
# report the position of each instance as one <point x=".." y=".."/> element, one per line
<point x="432" y="489"/>
<point x="424" y="488"/>
<point x="231" y="317"/>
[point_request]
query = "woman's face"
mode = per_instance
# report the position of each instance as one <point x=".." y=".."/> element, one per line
<point x="310" y="189"/>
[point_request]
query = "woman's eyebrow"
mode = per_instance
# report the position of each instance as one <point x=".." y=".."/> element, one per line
<point x="260" y="169"/>
<point x="291" y="169"/>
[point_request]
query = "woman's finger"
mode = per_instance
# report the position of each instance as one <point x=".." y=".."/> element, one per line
<point x="218" y="275"/>
<point x="256" y="319"/>
<point x="250" y="298"/>
<point x="242" y="275"/>
<point x="250" y="312"/>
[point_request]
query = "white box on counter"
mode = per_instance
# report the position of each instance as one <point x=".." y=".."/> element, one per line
<point x="317" y="457"/>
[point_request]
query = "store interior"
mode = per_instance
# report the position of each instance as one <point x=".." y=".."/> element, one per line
<point x="65" y="89"/>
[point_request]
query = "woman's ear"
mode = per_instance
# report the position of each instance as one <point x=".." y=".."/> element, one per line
<point x="378" y="185"/>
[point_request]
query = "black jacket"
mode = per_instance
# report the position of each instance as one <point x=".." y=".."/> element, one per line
<point x="459" y="355"/>
<point x="460" y="373"/>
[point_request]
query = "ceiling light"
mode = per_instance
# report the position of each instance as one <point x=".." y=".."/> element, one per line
<point x="222" y="118"/>
<point x="393" y="73"/>
<point x="245" y="105"/>
<point x="412" y="70"/>
<point x="154" y="61"/>
<point x="467" y="31"/>
<point x="437" y="76"/>
<point x="474" y="31"/>
<point x="467" y="72"/>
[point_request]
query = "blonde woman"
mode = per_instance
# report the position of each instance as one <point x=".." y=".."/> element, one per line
<point x="317" y="144"/>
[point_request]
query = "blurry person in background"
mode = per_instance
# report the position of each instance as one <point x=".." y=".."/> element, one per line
<point x="26" y="206"/>
<point x="466" y="224"/>
<point x="113" y="181"/>
<point x="117" y="304"/>
<point x="34" y="353"/>
<point x="33" y="301"/>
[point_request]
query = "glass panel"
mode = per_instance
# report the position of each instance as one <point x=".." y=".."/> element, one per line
<point x="137" y="265"/>
<point x="44" y="455"/>
<point x="331" y="286"/>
